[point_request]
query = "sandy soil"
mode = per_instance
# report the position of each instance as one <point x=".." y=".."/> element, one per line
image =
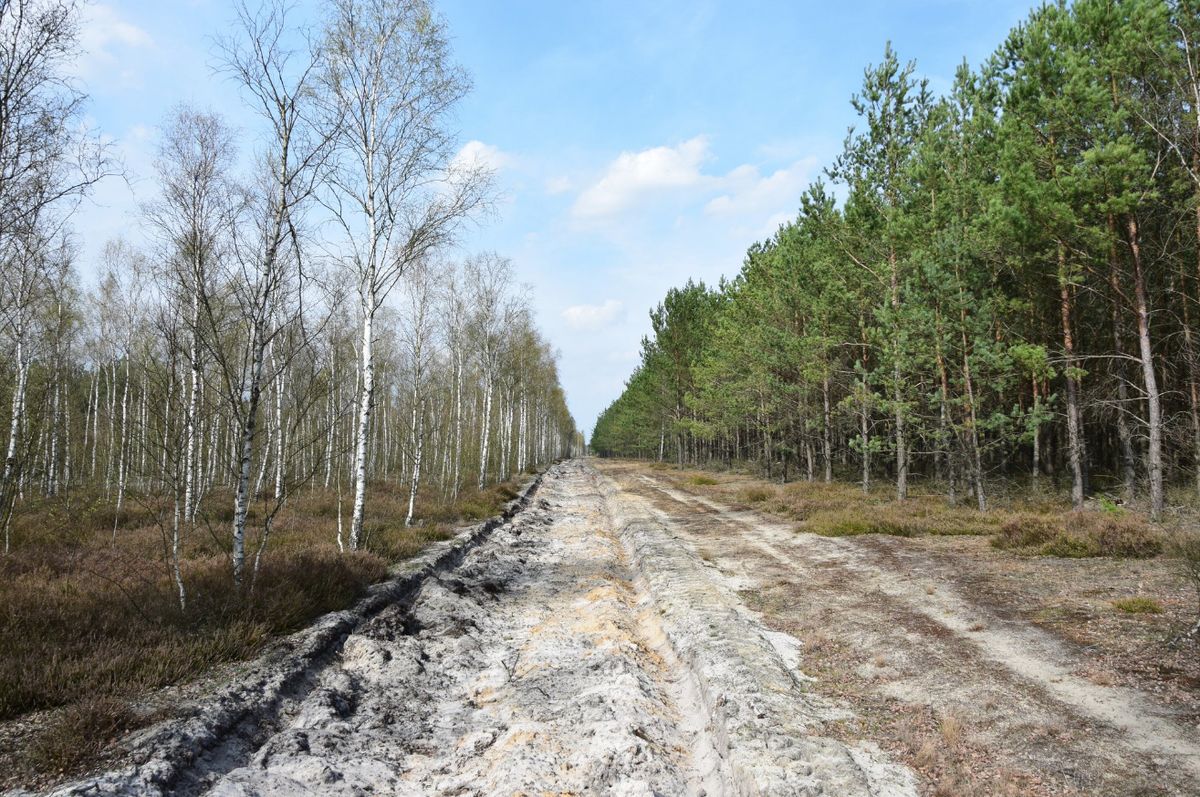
<point x="975" y="698"/>
<point x="584" y="647"/>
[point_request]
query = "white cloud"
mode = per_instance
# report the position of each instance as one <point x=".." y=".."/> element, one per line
<point x="743" y="196"/>
<point x="593" y="316"/>
<point x="638" y="223"/>
<point x="634" y="175"/>
<point x="748" y="192"/>
<point x="106" y="40"/>
<point x="476" y="153"/>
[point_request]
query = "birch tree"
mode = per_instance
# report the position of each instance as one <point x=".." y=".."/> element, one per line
<point x="191" y="217"/>
<point x="267" y="283"/>
<point x="488" y="283"/>
<point x="396" y="192"/>
<point x="416" y="333"/>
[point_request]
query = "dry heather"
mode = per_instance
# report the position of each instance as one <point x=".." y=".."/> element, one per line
<point x="90" y="622"/>
<point x="1028" y="526"/>
<point x="1081" y="534"/>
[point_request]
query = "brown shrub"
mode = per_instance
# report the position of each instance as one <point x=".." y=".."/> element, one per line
<point x="115" y="632"/>
<point x="85" y="618"/>
<point x="909" y="519"/>
<point x="755" y="495"/>
<point x="1025" y="531"/>
<point x="395" y="543"/>
<point x="80" y="734"/>
<point x="1081" y="534"/>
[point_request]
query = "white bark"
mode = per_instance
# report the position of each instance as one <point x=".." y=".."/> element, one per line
<point x="122" y="445"/>
<point x="367" y="369"/>
<point x="11" y="466"/>
<point x="193" y="406"/>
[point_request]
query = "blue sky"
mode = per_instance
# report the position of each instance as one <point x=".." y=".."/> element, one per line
<point x="637" y="144"/>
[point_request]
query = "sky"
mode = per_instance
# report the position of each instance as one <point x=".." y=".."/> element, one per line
<point x="636" y="144"/>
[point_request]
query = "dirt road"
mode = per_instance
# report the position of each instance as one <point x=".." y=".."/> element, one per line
<point x="978" y="701"/>
<point x="621" y="637"/>
<point x="579" y="649"/>
<point x="544" y="663"/>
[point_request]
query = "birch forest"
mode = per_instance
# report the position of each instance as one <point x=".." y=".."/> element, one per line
<point x="996" y="288"/>
<point x="295" y="319"/>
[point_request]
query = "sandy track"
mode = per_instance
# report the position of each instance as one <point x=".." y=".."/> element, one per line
<point x="544" y="664"/>
<point x="582" y="648"/>
<point x="918" y="642"/>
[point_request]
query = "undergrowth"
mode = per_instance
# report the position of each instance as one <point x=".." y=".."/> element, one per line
<point x="87" y="624"/>
<point x="1039" y="526"/>
<point x="1079" y="534"/>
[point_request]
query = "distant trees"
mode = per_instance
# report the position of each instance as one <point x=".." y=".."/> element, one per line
<point x="47" y="161"/>
<point x="1009" y="289"/>
<point x="389" y="87"/>
<point x="249" y="351"/>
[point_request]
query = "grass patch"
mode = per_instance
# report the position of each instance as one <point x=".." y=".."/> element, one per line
<point x="702" y="480"/>
<point x="842" y="523"/>
<point x="1138" y="605"/>
<point x="910" y="519"/>
<point x="1080" y="534"/>
<point x="755" y="495"/>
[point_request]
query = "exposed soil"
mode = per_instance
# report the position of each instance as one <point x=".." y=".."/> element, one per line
<point x="624" y="634"/>
<point x="582" y="647"/>
<point x="986" y="672"/>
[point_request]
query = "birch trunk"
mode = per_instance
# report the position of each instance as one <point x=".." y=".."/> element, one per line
<point x="279" y="434"/>
<point x="11" y="466"/>
<point x="485" y="428"/>
<point x="241" y="499"/>
<point x="122" y="450"/>
<point x="364" y="420"/>
<point x="193" y="408"/>
<point x="418" y="434"/>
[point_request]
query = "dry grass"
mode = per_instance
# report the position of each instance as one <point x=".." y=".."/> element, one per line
<point x="88" y="624"/>
<point x="1081" y="534"/>
<point x="914" y="518"/>
<point x="1138" y="605"/>
<point x="1034" y="526"/>
<point x="843" y="510"/>
<point x="951" y="729"/>
<point x="755" y="495"/>
<point x="80" y="733"/>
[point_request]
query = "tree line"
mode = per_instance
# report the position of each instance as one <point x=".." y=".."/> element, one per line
<point x="1000" y="284"/>
<point x="297" y="319"/>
